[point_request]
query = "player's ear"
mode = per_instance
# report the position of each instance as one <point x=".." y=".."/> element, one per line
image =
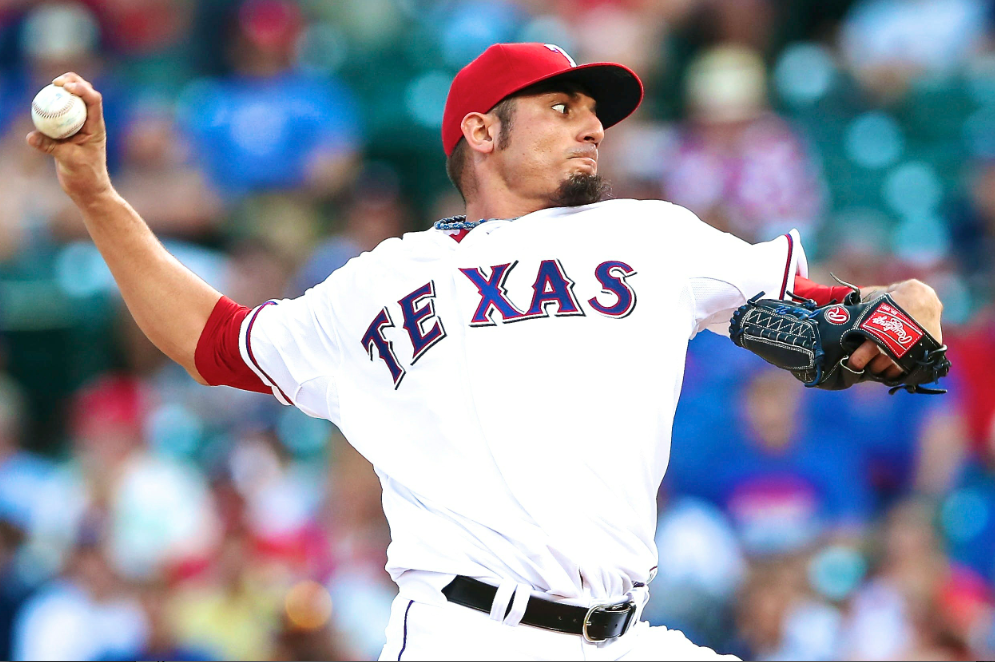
<point x="481" y="131"/>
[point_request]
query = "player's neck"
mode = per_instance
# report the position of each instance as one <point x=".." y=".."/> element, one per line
<point x="486" y="207"/>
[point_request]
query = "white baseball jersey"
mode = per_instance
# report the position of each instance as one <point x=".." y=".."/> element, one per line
<point x="515" y="391"/>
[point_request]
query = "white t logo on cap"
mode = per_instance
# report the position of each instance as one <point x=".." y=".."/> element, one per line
<point x="557" y="49"/>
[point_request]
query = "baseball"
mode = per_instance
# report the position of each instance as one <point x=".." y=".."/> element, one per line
<point x="57" y="113"/>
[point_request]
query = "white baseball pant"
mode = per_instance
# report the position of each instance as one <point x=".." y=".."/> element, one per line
<point x="421" y="631"/>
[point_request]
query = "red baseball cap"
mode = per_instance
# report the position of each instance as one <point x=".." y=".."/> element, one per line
<point x="504" y="69"/>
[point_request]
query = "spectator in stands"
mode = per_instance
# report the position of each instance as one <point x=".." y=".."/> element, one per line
<point x="230" y="610"/>
<point x="174" y="197"/>
<point x="916" y="445"/>
<point x="765" y="600"/>
<point x="158" y="510"/>
<point x="894" y="615"/>
<point x="86" y="614"/>
<point x="965" y="611"/>
<point x="281" y="497"/>
<point x="268" y="126"/>
<point x="749" y="23"/>
<point x="135" y="28"/>
<point x="784" y="482"/>
<point x="780" y="618"/>
<point x="375" y="212"/>
<point x="323" y="643"/>
<point x="888" y="43"/>
<point x="735" y="163"/>
<point x="162" y="642"/>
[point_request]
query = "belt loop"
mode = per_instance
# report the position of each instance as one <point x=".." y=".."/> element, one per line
<point x="641" y="596"/>
<point x="501" y="599"/>
<point x="522" y="594"/>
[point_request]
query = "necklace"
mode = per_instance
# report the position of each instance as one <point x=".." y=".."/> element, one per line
<point x="457" y="223"/>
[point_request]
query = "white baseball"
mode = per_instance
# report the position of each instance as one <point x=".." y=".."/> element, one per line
<point x="57" y="113"/>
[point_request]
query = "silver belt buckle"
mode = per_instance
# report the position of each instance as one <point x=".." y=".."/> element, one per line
<point x="630" y="606"/>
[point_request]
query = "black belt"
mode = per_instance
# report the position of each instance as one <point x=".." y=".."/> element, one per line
<point x="598" y="623"/>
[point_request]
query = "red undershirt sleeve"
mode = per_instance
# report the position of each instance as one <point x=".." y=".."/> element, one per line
<point x="218" y="358"/>
<point x="823" y="295"/>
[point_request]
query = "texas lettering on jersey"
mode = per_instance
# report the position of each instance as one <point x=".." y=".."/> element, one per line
<point x="552" y="290"/>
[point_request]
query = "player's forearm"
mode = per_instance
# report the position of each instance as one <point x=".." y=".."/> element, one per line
<point x="170" y="304"/>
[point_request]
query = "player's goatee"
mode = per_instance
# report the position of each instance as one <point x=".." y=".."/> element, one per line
<point x="581" y="189"/>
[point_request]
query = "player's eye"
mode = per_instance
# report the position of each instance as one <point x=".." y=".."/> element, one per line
<point x="560" y="108"/>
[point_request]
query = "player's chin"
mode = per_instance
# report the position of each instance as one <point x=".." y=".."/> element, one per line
<point x="581" y="188"/>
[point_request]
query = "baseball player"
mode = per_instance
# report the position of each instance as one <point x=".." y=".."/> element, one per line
<point x="512" y="374"/>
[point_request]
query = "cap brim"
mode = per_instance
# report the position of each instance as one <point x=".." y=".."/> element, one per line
<point x="616" y="88"/>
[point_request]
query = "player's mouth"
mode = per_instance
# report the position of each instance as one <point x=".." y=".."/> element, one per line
<point x="587" y="156"/>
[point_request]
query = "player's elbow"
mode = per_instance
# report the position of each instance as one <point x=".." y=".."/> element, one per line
<point x="197" y="377"/>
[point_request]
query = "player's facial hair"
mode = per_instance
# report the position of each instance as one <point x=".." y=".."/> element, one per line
<point x="581" y="189"/>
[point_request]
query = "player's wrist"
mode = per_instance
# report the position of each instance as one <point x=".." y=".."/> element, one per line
<point x="85" y="180"/>
<point x="96" y="198"/>
<point x="874" y="291"/>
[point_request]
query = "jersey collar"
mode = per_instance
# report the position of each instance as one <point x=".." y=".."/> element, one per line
<point x="458" y="227"/>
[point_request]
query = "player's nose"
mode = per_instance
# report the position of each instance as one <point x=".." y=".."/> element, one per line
<point x="593" y="131"/>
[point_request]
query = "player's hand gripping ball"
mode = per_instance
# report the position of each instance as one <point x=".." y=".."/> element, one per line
<point x="815" y="344"/>
<point x="57" y="113"/>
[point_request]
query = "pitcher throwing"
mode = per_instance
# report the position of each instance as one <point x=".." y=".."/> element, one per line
<point x="512" y="374"/>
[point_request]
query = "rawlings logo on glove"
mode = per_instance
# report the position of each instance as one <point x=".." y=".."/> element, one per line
<point x="891" y="327"/>
<point x="816" y="343"/>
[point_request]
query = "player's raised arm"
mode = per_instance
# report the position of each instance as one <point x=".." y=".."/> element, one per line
<point x="170" y="304"/>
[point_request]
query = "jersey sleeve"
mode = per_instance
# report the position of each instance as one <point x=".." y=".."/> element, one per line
<point x="292" y="347"/>
<point x="725" y="271"/>
<point x="218" y="358"/>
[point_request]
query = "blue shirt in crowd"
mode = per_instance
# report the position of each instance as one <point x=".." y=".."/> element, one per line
<point x="255" y="134"/>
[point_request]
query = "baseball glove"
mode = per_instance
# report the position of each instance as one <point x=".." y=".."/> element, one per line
<point x="815" y="343"/>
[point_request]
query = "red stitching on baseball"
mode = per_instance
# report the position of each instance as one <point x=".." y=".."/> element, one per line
<point x="72" y="129"/>
<point x="47" y="115"/>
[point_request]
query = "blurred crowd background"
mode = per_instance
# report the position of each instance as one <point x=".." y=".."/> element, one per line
<point x="267" y="142"/>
